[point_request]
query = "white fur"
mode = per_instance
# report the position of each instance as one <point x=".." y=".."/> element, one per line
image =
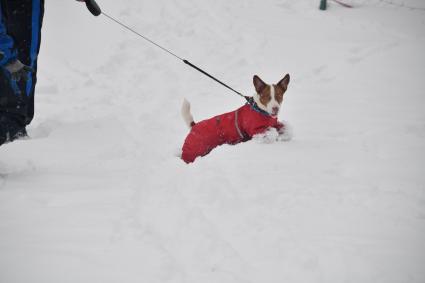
<point x="272" y="103"/>
<point x="185" y="111"/>
<point x="271" y="135"/>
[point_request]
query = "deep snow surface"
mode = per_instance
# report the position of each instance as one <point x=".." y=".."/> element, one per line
<point x="98" y="195"/>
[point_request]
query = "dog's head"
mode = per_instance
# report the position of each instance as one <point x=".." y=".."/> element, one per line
<point x="269" y="97"/>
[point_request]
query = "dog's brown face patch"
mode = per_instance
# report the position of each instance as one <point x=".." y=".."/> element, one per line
<point x="278" y="93"/>
<point x="265" y="95"/>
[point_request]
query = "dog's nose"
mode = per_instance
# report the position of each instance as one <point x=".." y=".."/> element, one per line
<point x="275" y="110"/>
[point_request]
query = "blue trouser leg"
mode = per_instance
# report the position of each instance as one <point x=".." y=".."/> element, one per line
<point x="23" y="20"/>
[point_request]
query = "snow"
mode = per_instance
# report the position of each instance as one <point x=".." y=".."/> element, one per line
<point x="98" y="195"/>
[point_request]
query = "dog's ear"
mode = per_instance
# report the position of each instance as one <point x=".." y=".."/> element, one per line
<point x="258" y="84"/>
<point x="283" y="83"/>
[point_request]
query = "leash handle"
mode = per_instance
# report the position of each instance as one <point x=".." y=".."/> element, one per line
<point x="92" y="7"/>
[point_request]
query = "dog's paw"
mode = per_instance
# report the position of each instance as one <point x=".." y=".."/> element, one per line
<point x="286" y="133"/>
<point x="272" y="135"/>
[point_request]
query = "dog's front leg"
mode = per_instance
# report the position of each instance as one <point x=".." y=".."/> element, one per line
<point x="284" y="130"/>
<point x="280" y="127"/>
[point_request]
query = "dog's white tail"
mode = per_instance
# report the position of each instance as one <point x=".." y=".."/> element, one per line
<point x="187" y="116"/>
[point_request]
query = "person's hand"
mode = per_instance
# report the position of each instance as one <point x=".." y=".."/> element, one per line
<point x="18" y="71"/>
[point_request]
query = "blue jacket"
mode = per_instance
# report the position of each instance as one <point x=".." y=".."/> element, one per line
<point x="7" y="52"/>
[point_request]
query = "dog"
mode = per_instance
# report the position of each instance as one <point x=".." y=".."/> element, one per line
<point x="255" y="117"/>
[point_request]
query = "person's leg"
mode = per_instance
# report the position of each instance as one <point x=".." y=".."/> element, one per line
<point x="23" y="21"/>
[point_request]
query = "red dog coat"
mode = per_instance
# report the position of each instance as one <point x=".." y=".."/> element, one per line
<point x="230" y="128"/>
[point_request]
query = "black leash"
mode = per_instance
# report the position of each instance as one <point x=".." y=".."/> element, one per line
<point x="217" y="80"/>
<point x="96" y="11"/>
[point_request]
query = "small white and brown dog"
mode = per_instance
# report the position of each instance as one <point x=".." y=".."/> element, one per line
<point x="255" y="117"/>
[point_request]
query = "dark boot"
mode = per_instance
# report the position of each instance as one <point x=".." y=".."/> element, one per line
<point x="10" y="130"/>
